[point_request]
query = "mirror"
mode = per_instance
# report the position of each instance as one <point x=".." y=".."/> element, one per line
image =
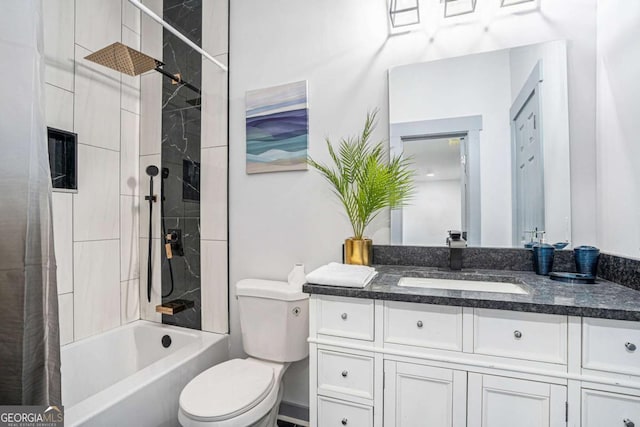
<point x="489" y="138"/>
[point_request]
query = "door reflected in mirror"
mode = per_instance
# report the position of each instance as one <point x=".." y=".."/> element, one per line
<point x="489" y="137"/>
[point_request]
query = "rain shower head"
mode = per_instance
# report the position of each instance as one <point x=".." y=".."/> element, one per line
<point x="152" y="170"/>
<point x="124" y="59"/>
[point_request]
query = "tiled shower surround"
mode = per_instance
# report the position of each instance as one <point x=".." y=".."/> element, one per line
<point x="181" y="134"/>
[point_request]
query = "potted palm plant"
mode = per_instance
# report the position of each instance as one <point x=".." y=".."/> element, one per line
<point x="365" y="183"/>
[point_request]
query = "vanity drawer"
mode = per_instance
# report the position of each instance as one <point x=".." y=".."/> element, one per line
<point x="521" y="335"/>
<point x="424" y="325"/>
<point x="344" y="373"/>
<point x="332" y="412"/>
<point x="346" y="317"/>
<point x="600" y="409"/>
<point x="611" y="345"/>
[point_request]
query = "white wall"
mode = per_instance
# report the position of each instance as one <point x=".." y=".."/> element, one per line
<point x="482" y="87"/>
<point x="95" y="230"/>
<point x="344" y="51"/>
<point x="619" y="127"/>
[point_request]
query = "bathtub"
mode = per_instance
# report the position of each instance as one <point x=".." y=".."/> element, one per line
<point x="125" y="377"/>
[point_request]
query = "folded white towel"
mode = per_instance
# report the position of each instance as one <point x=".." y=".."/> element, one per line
<point x="335" y="274"/>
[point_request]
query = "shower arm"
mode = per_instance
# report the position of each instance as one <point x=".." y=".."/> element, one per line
<point x="178" y="79"/>
<point x="177" y="33"/>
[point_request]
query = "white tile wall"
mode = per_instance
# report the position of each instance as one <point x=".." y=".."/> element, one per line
<point x="129" y="301"/>
<point x="216" y="15"/>
<point x="97" y="103"/>
<point x="65" y="313"/>
<point x="98" y="23"/>
<point x="96" y="206"/>
<point x="151" y="31"/>
<point x="58" y="17"/>
<point x="151" y="112"/>
<point x="129" y="153"/>
<point x="130" y="16"/>
<point x="131" y="84"/>
<point x="214" y="103"/>
<point x="213" y="259"/>
<point x="129" y="238"/>
<point x="58" y="108"/>
<point x="62" y="206"/>
<point x="213" y="198"/>
<point x="96" y="295"/>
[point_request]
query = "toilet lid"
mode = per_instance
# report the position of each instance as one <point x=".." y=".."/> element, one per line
<point x="226" y="390"/>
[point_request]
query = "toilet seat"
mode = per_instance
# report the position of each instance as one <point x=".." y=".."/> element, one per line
<point x="227" y="390"/>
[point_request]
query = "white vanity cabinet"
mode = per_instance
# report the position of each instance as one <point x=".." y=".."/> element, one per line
<point x="389" y="363"/>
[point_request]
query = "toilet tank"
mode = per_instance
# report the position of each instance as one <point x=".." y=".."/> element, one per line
<point x="274" y="318"/>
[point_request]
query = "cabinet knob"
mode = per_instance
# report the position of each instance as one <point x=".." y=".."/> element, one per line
<point x="344" y="316"/>
<point x="628" y="423"/>
<point x="345" y="421"/>
<point x="517" y="334"/>
<point x="344" y="374"/>
<point x="419" y="323"/>
<point x="630" y="346"/>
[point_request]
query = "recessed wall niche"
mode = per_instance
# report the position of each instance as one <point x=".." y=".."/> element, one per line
<point x="63" y="159"/>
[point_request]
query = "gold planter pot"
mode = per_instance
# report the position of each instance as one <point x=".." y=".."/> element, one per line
<point x="358" y="251"/>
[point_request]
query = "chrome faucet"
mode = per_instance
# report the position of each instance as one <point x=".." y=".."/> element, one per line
<point x="456" y="243"/>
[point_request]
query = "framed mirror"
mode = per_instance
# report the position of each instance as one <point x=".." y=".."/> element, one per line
<point x="489" y="138"/>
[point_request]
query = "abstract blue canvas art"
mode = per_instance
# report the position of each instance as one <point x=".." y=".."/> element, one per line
<point x="277" y="128"/>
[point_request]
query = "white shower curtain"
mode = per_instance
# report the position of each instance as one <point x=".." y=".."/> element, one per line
<point x="29" y="337"/>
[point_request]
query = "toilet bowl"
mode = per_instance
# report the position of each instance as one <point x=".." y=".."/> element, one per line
<point x="274" y="318"/>
<point x="236" y="393"/>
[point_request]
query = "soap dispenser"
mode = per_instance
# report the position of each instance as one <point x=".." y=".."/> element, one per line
<point x="543" y="256"/>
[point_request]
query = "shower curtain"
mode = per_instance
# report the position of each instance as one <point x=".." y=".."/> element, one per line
<point x="29" y="337"/>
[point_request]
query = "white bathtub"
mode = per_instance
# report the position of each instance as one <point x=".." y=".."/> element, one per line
<point x="125" y="377"/>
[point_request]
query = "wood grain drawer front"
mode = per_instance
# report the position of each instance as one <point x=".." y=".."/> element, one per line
<point x="345" y="373"/>
<point x="602" y="409"/>
<point x="611" y="345"/>
<point x="520" y="335"/>
<point x="424" y="325"/>
<point x="346" y="317"/>
<point x="338" y="413"/>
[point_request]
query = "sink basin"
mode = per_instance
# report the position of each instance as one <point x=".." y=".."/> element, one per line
<point x="461" y="285"/>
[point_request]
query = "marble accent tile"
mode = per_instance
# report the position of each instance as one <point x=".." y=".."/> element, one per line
<point x="129" y="153"/>
<point x="96" y="206"/>
<point x="96" y="296"/>
<point x="214" y="103"/>
<point x="215" y="286"/>
<point x="625" y="271"/>
<point x="98" y="23"/>
<point x="58" y="20"/>
<point x="144" y="191"/>
<point x="151" y="31"/>
<point x="150" y="113"/>
<point x="129" y="238"/>
<point x="96" y="115"/>
<point x="130" y="16"/>
<point x="214" y="195"/>
<point x="130" y="100"/>
<point x="65" y="317"/>
<point x="215" y="13"/>
<point x="62" y="207"/>
<point x="58" y="108"/>
<point x="148" y="309"/>
<point x="129" y="301"/>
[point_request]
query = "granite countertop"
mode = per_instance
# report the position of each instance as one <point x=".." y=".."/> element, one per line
<point x="603" y="299"/>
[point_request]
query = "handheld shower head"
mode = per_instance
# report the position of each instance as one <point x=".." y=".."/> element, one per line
<point x="152" y="170"/>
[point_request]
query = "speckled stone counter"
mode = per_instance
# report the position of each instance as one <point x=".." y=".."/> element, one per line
<point x="603" y="299"/>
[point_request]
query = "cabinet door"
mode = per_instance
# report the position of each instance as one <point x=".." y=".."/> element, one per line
<point x="507" y="402"/>
<point x="602" y="409"/>
<point x="417" y="395"/>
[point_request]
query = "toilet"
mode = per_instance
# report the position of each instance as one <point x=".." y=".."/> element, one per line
<point x="274" y="318"/>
